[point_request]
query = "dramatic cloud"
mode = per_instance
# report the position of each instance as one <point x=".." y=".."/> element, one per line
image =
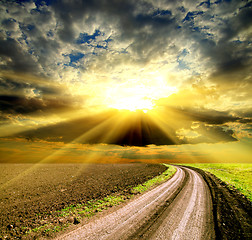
<point x="137" y="129"/>
<point x="185" y="64"/>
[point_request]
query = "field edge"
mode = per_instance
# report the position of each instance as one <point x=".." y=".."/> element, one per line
<point x="231" y="209"/>
<point x="75" y="215"/>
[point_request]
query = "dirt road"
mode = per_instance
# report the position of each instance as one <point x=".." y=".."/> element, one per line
<point x="180" y="208"/>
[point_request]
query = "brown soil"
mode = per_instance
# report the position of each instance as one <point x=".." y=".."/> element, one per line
<point x="30" y="195"/>
<point x="180" y="208"/>
<point x="232" y="210"/>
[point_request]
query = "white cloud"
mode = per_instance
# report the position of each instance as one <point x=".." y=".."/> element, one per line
<point x="152" y="35"/>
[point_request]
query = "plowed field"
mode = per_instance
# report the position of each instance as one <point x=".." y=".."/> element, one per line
<point x="32" y="195"/>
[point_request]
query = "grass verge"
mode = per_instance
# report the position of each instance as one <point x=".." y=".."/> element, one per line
<point x="235" y="175"/>
<point x="75" y="214"/>
<point x="157" y="180"/>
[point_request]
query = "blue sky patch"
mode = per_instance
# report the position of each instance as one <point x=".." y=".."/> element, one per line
<point x="74" y="58"/>
<point x="85" y="38"/>
<point x="191" y="15"/>
<point x="206" y="3"/>
<point x="181" y="63"/>
<point x="43" y="2"/>
<point x="162" y="13"/>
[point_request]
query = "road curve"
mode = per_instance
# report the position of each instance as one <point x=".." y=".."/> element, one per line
<point x="180" y="208"/>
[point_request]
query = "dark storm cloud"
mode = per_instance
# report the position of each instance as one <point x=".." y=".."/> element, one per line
<point x="151" y="27"/>
<point x="142" y="131"/>
<point x="26" y="40"/>
<point x="207" y="126"/>
<point x="69" y="12"/>
<point x="239" y="23"/>
<point x="209" y="116"/>
<point x="167" y="26"/>
<point x="244" y="113"/>
<point x="233" y="62"/>
<point x="13" y="85"/>
<point x="22" y="105"/>
<point x="17" y="58"/>
<point x="230" y="55"/>
<point x="246" y="120"/>
<point x="211" y="134"/>
<point x="9" y="24"/>
<point x="60" y="39"/>
<point x="4" y="119"/>
<point x="133" y="19"/>
<point x="8" y="84"/>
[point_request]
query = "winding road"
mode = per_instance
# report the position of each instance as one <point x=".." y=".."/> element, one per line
<point x="180" y="208"/>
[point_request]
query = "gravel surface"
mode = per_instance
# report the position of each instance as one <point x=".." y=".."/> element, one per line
<point x="180" y="208"/>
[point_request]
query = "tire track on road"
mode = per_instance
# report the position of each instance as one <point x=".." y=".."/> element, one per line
<point x="190" y="214"/>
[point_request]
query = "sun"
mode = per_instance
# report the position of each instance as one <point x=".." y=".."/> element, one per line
<point x="137" y="94"/>
<point x="133" y="103"/>
<point x="131" y="98"/>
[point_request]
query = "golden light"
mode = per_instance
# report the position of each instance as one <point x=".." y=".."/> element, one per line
<point x="133" y="103"/>
<point x="136" y="95"/>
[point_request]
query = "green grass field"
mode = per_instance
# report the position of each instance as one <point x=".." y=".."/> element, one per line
<point x="237" y="175"/>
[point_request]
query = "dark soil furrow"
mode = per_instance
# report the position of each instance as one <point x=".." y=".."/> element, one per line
<point x="35" y="199"/>
<point x="232" y="210"/>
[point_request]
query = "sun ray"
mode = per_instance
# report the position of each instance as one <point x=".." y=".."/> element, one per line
<point x="166" y="124"/>
<point x="52" y="157"/>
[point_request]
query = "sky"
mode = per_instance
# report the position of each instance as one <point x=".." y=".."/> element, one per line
<point x="125" y="81"/>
